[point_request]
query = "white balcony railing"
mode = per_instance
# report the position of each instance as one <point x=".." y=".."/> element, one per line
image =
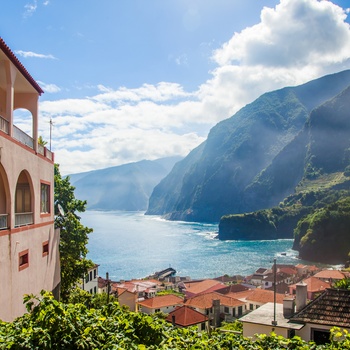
<point x="22" y="137"/>
<point x="22" y="219"/>
<point x="3" y="221"/>
<point x="4" y="125"/>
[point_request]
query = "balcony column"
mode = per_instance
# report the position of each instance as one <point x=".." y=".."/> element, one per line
<point x="10" y="93"/>
<point x="35" y="115"/>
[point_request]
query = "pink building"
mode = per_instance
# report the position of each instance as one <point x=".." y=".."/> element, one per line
<point x="29" y="255"/>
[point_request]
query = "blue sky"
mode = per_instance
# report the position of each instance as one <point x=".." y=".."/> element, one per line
<point x="132" y="80"/>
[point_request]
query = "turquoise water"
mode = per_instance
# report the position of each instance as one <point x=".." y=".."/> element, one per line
<point x="132" y="245"/>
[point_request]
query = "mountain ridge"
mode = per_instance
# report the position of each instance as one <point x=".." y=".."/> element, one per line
<point x="218" y="177"/>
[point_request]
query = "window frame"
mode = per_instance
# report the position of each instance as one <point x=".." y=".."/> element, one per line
<point x="45" y="248"/>
<point x="23" y="259"/>
<point x="45" y="198"/>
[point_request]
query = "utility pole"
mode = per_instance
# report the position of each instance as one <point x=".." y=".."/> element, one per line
<point x="274" y="322"/>
<point x="107" y="278"/>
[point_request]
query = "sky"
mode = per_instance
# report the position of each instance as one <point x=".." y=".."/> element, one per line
<point x="131" y="80"/>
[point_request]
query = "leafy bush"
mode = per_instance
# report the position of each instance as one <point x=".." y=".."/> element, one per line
<point x="50" y="324"/>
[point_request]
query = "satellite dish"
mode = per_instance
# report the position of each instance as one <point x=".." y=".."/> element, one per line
<point x="60" y="209"/>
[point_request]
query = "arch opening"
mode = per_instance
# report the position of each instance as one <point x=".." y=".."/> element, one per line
<point x="23" y="201"/>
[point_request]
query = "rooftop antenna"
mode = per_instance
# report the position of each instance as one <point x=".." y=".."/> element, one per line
<point x="51" y="124"/>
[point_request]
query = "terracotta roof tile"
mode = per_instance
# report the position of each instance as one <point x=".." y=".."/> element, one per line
<point x="259" y="296"/>
<point x="12" y="57"/>
<point x="161" y="301"/>
<point x="330" y="274"/>
<point x="313" y="284"/>
<point x="331" y="308"/>
<point x="186" y="316"/>
<point x="205" y="301"/>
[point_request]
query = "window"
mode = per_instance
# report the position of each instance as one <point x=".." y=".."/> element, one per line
<point x="90" y="275"/>
<point x="45" y="198"/>
<point x="226" y="310"/>
<point x="95" y="273"/>
<point x="46" y="248"/>
<point x="23" y="260"/>
<point x="251" y="307"/>
<point x="23" y="200"/>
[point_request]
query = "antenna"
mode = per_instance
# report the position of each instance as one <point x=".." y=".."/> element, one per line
<point x="51" y="124"/>
<point x="60" y="209"/>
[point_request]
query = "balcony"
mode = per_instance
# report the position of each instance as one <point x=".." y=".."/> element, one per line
<point x="4" y="125"/>
<point x="23" y="219"/>
<point x="3" y="221"/>
<point x="22" y="137"/>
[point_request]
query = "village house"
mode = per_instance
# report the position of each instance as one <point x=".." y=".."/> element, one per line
<point x="192" y="288"/>
<point x="311" y="321"/>
<point x="184" y="316"/>
<point x="314" y="287"/>
<point x="217" y="306"/>
<point x="29" y="254"/>
<point x="162" y="303"/>
<point x="330" y="276"/>
<point x="306" y="270"/>
<point x="255" y="298"/>
<point x="90" y="281"/>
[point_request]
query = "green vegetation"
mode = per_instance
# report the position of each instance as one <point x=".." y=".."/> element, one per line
<point x="170" y="291"/>
<point x="73" y="235"/>
<point x="50" y="324"/>
<point x="324" y="234"/>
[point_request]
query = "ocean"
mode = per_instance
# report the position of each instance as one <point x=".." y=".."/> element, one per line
<point x="133" y="245"/>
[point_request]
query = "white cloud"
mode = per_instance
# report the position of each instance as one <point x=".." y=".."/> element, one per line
<point x="30" y="8"/>
<point x="27" y="54"/>
<point x="50" y="88"/>
<point x="294" y="42"/>
<point x="293" y="34"/>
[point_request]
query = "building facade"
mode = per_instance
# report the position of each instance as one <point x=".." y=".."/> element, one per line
<point x="29" y="252"/>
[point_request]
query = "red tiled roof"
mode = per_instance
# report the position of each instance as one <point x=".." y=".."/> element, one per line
<point x="205" y="301"/>
<point x="12" y="57"/>
<point x="161" y="301"/>
<point x="259" y="296"/>
<point x="330" y="274"/>
<point x="331" y="308"/>
<point x="313" y="284"/>
<point x="186" y="316"/>
<point x="196" y="287"/>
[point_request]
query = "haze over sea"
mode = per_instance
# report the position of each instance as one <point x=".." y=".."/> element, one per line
<point x="133" y="245"/>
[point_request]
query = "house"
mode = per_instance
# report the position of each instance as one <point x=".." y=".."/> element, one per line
<point x="330" y="276"/>
<point x="314" y="287"/>
<point x="306" y="270"/>
<point x="255" y="298"/>
<point x="330" y="309"/>
<point x="126" y="298"/>
<point x="185" y="316"/>
<point x="192" y="288"/>
<point x="163" y="303"/>
<point x="311" y="321"/>
<point x="90" y="282"/>
<point x="266" y="319"/>
<point x="29" y="254"/>
<point x="229" y="307"/>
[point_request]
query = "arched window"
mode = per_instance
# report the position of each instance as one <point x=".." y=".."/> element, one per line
<point x="23" y="201"/>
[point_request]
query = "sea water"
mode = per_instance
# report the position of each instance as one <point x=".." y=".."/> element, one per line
<point x="133" y="245"/>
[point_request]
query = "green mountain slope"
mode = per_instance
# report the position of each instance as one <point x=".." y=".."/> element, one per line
<point x="231" y="172"/>
<point x="125" y="187"/>
<point x="319" y="210"/>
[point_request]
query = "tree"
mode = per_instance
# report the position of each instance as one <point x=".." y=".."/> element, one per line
<point x="74" y="236"/>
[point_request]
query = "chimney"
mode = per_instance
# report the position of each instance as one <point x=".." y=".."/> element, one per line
<point x="216" y="313"/>
<point x="288" y="307"/>
<point x="301" y="296"/>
